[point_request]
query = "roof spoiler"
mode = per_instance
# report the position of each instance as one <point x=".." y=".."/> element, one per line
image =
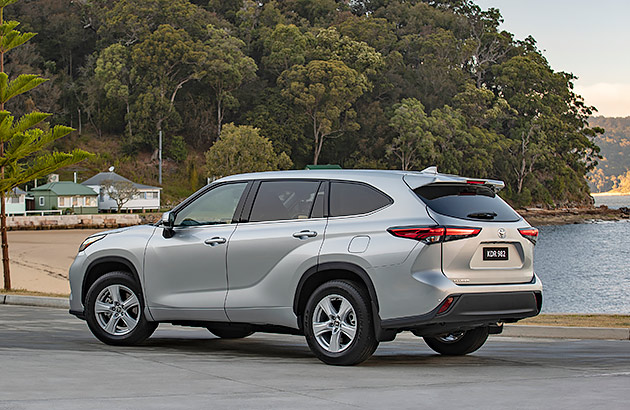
<point x="496" y="185"/>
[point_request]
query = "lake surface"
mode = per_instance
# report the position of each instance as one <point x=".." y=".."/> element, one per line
<point x="585" y="268"/>
<point x="612" y="201"/>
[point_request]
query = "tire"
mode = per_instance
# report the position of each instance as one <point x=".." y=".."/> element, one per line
<point x="340" y="309"/>
<point x="458" y="343"/>
<point x="117" y="322"/>
<point x="230" y="332"/>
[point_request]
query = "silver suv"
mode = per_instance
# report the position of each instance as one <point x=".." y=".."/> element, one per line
<point x="346" y="258"/>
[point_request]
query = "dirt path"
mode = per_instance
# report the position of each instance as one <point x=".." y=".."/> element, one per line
<point x="40" y="259"/>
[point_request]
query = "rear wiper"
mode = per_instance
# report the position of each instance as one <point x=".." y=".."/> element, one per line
<point x="482" y="215"/>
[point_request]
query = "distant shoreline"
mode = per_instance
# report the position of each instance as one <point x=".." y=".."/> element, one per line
<point x="610" y="194"/>
<point x="564" y="216"/>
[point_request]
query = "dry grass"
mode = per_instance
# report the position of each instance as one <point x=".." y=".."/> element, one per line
<point x="577" y="320"/>
<point x="25" y="292"/>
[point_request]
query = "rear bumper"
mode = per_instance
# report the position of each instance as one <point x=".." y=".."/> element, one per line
<point x="470" y="310"/>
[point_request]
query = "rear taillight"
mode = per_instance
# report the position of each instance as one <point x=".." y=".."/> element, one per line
<point x="434" y="234"/>
<point x="529" y="233"/>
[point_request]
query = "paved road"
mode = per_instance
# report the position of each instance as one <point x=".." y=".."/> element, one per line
<point x="49" y="360"/>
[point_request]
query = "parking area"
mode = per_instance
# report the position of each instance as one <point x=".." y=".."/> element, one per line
<point x="49" y="360"/>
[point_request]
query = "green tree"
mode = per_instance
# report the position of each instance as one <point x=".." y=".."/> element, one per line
<point x="285" y="47"/>
<point x="113" y="74"/>
<point x="414" y="143"/>
<point x="326" y="91"/>
<point x="227" y="68"/>
<point x="242" y="149"/>
<point x="21" y="143"/>
<point x="162" y="64"/>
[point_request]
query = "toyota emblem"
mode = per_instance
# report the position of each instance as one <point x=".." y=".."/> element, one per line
<point x="501" y="232"/>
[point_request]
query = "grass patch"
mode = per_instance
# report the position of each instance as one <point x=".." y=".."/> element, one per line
<point x="579" y="320"/>
<point x="25" y="292"/>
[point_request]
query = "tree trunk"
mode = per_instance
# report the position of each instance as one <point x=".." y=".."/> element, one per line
<point x="219" y="117"/>
<point x="5" y="240"/>
<point x="6" y="267"/>
<point x="129" y="119"/>
<point x="317" y="138"/>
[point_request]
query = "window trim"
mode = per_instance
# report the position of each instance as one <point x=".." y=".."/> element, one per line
<point x="390" y="199"/>
<point x="42" y="201"/>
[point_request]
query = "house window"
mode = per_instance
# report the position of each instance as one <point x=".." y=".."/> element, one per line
<point x="14" y="199"/>
<point x="41" y="201"/>
<point x="154" y="195"/>
<point x="90" y="201"/>
<point x="64" y="201"/>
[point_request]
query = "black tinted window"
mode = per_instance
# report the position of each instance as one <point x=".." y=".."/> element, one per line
<point x="348" y="198"/>
<point x="466" y="201"/>
<point x="278" y="200"/>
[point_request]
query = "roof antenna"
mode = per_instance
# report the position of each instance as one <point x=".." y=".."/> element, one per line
<point x="111" y="169"/>
<point x="430" y="170"/>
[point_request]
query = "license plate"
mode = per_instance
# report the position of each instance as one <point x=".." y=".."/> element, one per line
<point x="495" y="254"/>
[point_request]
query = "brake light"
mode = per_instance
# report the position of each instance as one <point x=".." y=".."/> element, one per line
<point x="472" y="181"/>
<point x="425" y="234"/>
<point x="434" y="234"/>
<point x="529" y="233"/>
<point x="454" y="233"/>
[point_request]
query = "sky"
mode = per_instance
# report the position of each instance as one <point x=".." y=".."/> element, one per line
<point x="588" y="38"/>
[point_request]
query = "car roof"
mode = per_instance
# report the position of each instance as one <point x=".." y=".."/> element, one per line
<point x="373" y="176"/>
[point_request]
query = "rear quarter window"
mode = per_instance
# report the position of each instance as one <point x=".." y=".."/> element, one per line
<point x="353" y="198"/>
<point x="467" y="201"/>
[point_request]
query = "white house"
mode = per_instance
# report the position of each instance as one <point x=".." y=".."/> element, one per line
<point x="147" y="198"/>
<point x="15" y="202"/>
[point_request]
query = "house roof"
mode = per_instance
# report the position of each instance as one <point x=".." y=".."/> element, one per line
<point x="18" y="191"/>
<point x="65" y="188"/>
<point x="112" y="176"/>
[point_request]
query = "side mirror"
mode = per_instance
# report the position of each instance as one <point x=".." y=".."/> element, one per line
<point x="168" y="222"/>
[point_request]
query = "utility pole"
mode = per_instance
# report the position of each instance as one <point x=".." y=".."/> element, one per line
<point x="160" y="157"/>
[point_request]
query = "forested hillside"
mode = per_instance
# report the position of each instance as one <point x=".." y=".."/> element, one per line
<point x="364" y="84"/>
<point x="613" y="170"/>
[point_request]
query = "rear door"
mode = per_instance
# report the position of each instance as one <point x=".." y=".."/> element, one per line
<point x="497" y="253"/>
<point x="279" y="240"/>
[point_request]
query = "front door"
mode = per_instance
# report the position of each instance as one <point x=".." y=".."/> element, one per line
<point x="185" y="273"/>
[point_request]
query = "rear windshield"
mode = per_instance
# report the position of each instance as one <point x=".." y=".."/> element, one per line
<point x="466" y="201"/>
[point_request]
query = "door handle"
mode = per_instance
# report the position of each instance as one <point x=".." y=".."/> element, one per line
<point x="305" y="234"/>
<point x="215" y="241"/>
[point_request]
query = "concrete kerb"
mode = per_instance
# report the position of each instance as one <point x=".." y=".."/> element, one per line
<point x="546" y="332"/>
<point x="41" y="301"/>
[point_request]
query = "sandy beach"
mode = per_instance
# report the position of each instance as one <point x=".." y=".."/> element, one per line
<point x="40" y="259"/>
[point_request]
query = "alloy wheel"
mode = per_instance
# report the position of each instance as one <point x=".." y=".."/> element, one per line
<point x="117" y="310"/>
<point x="334" y="323"/>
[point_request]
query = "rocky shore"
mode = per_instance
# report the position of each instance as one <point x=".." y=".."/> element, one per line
<point x="563" y="216"/>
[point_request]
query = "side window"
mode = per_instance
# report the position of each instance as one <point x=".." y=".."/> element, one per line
<point x="279" y="200"/>
<point x="350" y="198"/>
<point x="216" y="206"/>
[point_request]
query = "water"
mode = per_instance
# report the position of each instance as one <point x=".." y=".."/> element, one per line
<point x="612" y="201"/>
<point x="585" y="268"/>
